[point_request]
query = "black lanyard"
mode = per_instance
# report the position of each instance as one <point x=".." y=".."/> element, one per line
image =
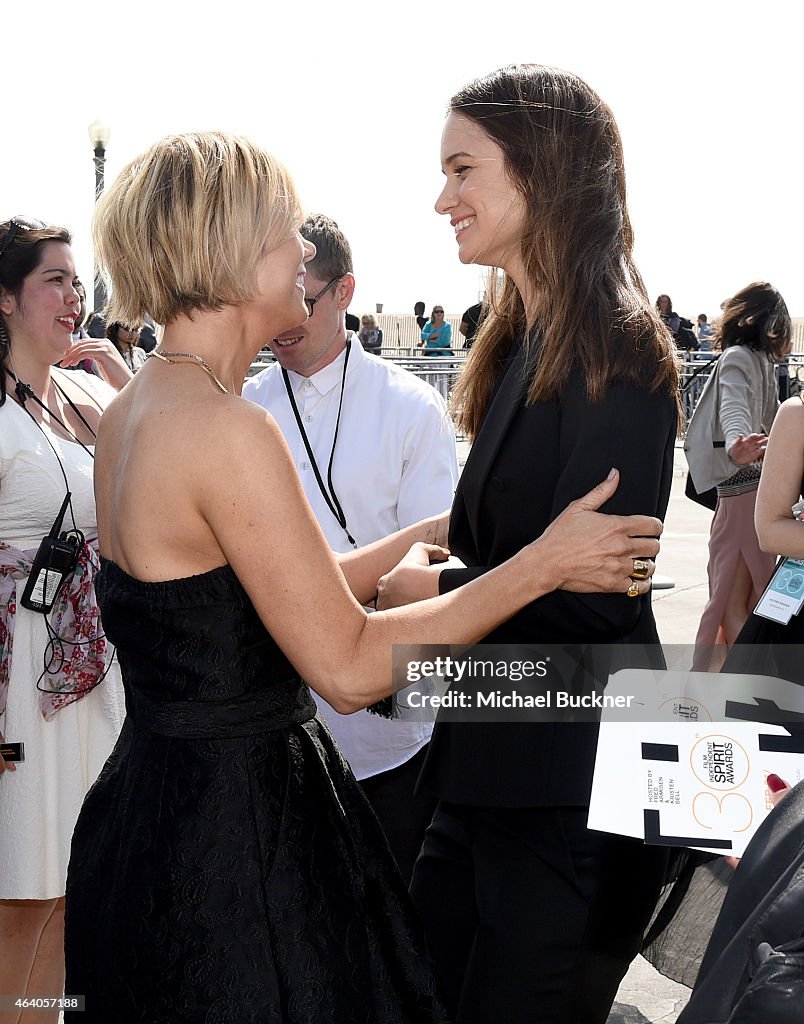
<point x="24" y="392"/>
<point x="328" y="492"/>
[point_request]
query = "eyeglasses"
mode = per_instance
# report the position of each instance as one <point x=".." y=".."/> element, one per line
<point x="18" y="224"/>
<point x="310" y="303"/>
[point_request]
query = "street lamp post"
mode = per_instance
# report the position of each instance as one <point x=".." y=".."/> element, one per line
<point x="99" y="133"/>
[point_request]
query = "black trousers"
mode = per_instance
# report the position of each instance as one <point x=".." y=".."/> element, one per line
<point x="531" y="917"/>
<point x="403" y="816"/>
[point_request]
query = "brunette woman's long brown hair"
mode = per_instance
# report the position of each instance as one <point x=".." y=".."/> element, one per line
<point x="563" y="152"/>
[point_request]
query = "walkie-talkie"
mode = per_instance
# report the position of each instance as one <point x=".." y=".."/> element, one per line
<point x="55" y="561"/>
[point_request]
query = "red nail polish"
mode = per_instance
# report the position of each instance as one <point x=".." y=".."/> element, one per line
<point x="775" y="784"/>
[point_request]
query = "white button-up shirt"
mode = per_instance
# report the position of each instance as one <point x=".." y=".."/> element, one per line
<point x="394" y="463"/>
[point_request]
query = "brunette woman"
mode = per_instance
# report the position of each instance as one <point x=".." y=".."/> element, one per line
<point x="529" y="915"/>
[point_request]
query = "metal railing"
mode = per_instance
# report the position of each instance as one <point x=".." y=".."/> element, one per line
<point x="697" y="367"/>
<point x="441" y="372"/>
<point x="437" y="371"/>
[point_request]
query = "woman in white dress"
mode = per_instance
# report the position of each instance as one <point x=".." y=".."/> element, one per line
<point x="68" y="714"/>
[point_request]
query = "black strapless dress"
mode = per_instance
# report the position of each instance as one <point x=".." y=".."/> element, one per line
<point x="225" y="866"/>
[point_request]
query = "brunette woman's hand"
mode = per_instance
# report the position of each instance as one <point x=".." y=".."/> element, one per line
<point x="414" y="579"/>
<point x="589" y="552"/>
<point x="103" y="353"/>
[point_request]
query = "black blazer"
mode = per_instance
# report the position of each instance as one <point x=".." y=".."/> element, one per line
<point x="526" y="464"/>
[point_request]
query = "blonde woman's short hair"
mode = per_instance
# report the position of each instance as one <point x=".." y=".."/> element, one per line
<point x="369" y="318"/>
<point x="184" y="226"/>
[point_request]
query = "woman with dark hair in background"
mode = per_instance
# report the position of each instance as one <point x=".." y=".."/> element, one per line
<point x="125" y="340"/>
<point x="55" y="696"/>
<point x="664" y="307"/>
<point x="680" y="327"/>
<point x="725" y="444"/>
<point x="529" y="915"/>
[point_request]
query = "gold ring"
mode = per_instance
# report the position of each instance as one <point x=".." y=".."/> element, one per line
<point x="641" y="569"/>
<point x="633" y="590"/>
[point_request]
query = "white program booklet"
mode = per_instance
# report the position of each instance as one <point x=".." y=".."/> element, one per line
<point x="687" y="763"/>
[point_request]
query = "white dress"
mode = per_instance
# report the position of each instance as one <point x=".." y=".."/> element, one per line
<point x="39" y="803"/>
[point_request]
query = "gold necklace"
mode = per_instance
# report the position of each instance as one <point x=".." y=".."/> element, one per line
<point x="171" y="357"/>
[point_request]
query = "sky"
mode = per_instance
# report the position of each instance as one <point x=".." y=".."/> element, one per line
<point x="352" y="97"/>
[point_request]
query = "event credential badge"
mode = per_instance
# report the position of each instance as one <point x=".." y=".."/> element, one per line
<point x="784" y="595"/>
<point x="689" y="766"/>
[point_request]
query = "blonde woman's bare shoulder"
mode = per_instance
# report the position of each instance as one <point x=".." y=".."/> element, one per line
<point x="232" y="424"/>
<point x="218" y="410"/>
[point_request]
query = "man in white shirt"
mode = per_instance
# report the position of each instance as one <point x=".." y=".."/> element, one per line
<point x="375" y="450"/>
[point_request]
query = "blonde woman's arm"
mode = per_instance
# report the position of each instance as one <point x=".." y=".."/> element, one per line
<point x="305" y="602"/>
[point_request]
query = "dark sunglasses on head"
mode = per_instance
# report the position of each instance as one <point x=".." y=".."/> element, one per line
<point x="15" y="225"/>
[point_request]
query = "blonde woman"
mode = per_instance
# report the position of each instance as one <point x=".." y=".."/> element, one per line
<point x="226" y="865"/>
<point x="370" y="334"/>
